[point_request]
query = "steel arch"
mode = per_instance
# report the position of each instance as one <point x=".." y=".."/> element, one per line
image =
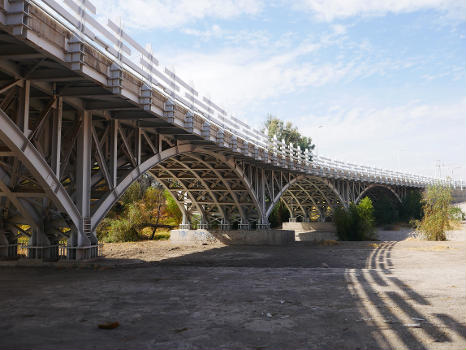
<point x="154" y="161"/>
<point x="368" y="188"/>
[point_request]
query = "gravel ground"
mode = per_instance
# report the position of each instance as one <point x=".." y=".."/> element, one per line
<point x="391" y="294"/>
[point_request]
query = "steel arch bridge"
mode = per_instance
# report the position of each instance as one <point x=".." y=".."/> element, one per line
<point x="80" y="122"/>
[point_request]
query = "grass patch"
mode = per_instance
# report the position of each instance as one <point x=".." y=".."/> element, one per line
<point x="162" y="236"/>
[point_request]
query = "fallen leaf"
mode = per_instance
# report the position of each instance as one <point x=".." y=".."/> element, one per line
<point x="108" y="325"/>
<point x="180" y="330"/>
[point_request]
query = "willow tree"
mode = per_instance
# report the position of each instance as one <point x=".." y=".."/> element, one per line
<point x="438" y="216"/>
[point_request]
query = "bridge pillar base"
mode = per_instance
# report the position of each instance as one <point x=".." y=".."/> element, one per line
<point x="242" y="226"/>
<point x="263" y="226"/>
<point x="224" y="227"/>
<point x="40" y="247"/>
<point x="81" y="247"/>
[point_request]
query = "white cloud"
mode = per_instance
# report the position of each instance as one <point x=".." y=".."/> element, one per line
<point x="150" y="14"/>
<point x="239" y="77"/>
<point x="409" y="137"/>
<point x="329" y="10"/>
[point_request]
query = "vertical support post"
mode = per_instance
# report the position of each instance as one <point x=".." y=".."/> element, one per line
<point x="114" y="151"/>
<point x="56" y="137"/>
<point x="83" y="182"/>
<point x="185" y="225"/>
<point x="23" y="108"/>
<point x="138" y="146"/>
<point x="264" y="221"/>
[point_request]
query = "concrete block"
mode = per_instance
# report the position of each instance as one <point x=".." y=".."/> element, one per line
<point x="312" y="231"/>
<point x="310" y="226"/>
<point x="233" y="237"/>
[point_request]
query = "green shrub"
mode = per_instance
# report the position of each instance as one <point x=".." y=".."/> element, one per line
<point x="438" y="214"/>
<point x="117" y="230"/>
<point x="356" y="223"/>
<point x="456" y="214"/>
<point x="144" y="207"/>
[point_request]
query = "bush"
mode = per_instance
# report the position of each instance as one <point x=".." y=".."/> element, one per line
<point x="117" y="230"/>
<point x="438" y="215"/>
<point x="144" y="206"/>
<point x="356" y="223"/>
<point x="456" y="214"/>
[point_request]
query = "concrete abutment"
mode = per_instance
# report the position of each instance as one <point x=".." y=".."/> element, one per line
<point x="233" y="237"/>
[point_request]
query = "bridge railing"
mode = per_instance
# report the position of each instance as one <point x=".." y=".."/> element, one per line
<point x="80" y="17"/>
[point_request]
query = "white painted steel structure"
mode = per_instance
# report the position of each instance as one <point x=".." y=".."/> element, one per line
<point x="85" y="111"/>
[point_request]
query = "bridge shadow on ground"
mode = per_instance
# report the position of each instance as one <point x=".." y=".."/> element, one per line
<point x="350" y="295"/>
<point x="251" y="297"/>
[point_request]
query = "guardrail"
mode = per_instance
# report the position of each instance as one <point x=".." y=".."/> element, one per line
<point x="80" y="17"/>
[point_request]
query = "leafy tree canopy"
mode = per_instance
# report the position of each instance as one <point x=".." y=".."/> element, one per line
<point x="273" y="126"/>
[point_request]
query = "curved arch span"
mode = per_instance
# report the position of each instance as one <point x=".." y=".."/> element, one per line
<point x="30" y="157"/>
<point x="152" y="162"/>
<point x="368" y="188"/>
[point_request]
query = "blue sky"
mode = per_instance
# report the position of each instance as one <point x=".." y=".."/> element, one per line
<point x="381" y="83"/>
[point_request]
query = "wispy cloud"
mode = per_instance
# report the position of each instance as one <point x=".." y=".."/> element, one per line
<point x="238" y="76"/>
<point x="151" y="14"/>
<point x="329" y="10"/>
<point x="410" y="136"/>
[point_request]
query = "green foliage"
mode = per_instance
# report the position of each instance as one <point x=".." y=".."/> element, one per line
<point x="386" y="211"/>
<point x="117" y="230"/>
<point x="411" y="206"/>
<point x="457" y="214"/>
<point x="144" y="205"/>
<point x="279" y="214"/>
<point x="172" y="209"/>
<point x="356" y="223"/>
<point x="437" y="213"/>
<point x="276" y="127"/>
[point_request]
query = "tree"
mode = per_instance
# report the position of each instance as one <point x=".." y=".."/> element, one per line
<point x="145" y="204"/>
<point x="174" y="213"/>
<point x="357" y="222"/>
<point x="286" y="131"/>
<point x="437" y="213"/>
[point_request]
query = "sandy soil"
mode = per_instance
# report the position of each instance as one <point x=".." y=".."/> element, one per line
<point x="406" y="294"/>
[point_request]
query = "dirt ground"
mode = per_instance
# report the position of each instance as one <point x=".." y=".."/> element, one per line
<point x="392" y="294"/>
